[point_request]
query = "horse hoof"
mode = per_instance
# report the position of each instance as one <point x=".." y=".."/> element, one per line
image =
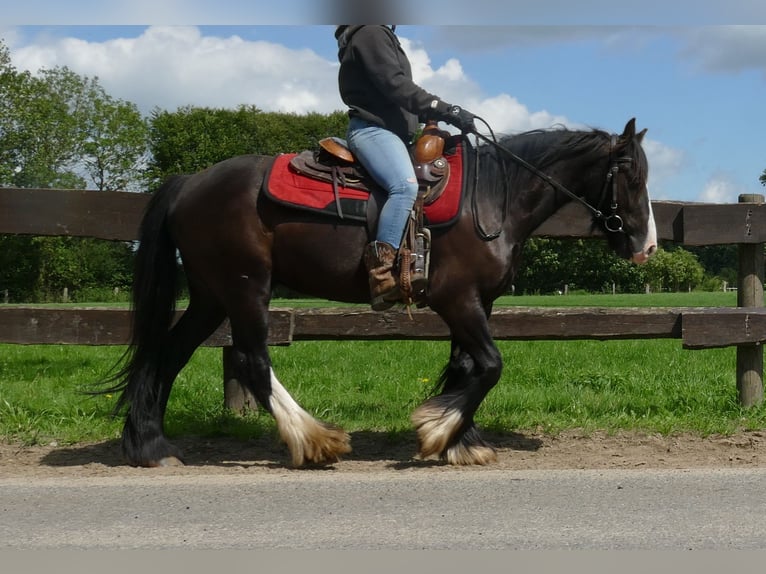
<point x="462" y="454"/>
<point x="170" y="461"/>
<point x="322" y="448"/>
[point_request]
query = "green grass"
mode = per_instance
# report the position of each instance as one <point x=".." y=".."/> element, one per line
<point x="550" y="386"/>
<point x="693" y="299"/>
<point x="546" y="385"/>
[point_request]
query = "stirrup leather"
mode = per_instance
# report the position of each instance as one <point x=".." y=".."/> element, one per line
<point x="415" y="258"/>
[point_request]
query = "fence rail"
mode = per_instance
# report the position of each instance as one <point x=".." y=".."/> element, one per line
<point x="696" y="327"/>
<point x="115" y="216"/>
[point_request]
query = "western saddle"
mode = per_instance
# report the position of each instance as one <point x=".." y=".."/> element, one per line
<point x="335" y="163"/>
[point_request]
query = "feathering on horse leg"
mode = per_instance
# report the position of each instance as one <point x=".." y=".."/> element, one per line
<point x="444" y="423"/>
<point x="445" y="430"/>
<point x="437" y="422"/>
<point x="470" y="449"/>
<point x="309" y="440"/>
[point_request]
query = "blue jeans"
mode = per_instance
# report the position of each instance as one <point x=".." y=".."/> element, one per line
<point x="386" y="158"/>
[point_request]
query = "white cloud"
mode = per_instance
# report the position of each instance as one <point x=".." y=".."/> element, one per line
<point x="9" y="36"/>
<point x="449" y="81"/>
<point x="168" y="67"/>
<point x="665" y="164"/>
<point x="721" y="188"/>
<point x="503" y="112"/>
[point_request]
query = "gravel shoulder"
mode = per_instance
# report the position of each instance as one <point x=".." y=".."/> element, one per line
<point x="375" y="452"/>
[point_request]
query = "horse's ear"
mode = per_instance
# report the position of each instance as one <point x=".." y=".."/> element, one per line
<point x="630" y="130"/>
<point x="640" y="135"/>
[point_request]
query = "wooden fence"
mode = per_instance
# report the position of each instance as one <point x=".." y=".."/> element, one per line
<point x="115" y="216"/>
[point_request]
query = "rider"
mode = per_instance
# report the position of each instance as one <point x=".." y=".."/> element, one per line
<point x="385" y="107"/>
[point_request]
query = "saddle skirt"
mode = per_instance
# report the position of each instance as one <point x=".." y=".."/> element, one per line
<point x="342" y="190"/>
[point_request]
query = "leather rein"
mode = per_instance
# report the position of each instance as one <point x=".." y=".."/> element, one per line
<point x="612" y="223"/>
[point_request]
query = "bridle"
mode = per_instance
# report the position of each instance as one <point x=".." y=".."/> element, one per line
<point x="612" y="223"/>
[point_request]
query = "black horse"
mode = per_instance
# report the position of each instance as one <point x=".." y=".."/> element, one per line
<point x="236" y="244"/>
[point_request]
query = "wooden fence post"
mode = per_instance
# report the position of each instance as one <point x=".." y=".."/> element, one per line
<point x="235" y="396"/>
<point x="750" y="294"/>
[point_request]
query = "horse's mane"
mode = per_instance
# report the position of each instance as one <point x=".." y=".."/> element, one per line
<point x="544" y="147"/>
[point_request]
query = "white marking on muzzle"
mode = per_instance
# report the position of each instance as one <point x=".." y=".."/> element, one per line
<point x="650" y="240"/>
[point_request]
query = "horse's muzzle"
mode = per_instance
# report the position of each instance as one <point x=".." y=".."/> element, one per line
<point x="643" y="256"/>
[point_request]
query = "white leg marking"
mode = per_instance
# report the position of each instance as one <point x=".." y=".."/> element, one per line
<point x="437" y="422"/>
<point x="436" y="426"/>
<point x="307" y="439"/>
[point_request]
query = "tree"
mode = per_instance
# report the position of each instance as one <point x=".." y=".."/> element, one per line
<point x="540" y="267"/>
<point x="720" y="263"/>
<point x="61" y="130"/>
<point x="80" y="263"/>
<point x="763" y="177"/>
<point x="191" y="139"/>
<point x="114" y="140"/>
<point x="45" y="131"/>
<point x="73" y="134"/>
<point x="19" y="267"/>
<point x="674" y="270"/>
<point x="11" y="82"/>
<point x="549" y="264"/>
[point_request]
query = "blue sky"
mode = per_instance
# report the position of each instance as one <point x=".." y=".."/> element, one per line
<point x="695" y="78"/>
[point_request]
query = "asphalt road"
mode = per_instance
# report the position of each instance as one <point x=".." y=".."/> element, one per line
<point x="471" y="509"/>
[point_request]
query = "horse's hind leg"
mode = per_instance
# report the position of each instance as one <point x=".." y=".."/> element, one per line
<point x="143" y="437"/>
<point x="310" y="441"/>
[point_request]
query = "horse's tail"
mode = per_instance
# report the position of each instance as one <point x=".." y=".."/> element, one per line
<point x="155" y="280"/>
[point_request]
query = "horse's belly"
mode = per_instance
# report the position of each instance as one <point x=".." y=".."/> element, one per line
<point x="321" y="260"/>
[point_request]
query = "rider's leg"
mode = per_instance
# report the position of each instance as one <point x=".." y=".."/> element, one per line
<point x="386" y="158"/>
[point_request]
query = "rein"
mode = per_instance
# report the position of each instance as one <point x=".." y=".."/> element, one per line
<point x="612" y="222"/>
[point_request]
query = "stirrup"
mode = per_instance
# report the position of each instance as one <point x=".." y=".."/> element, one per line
<point x="380" y="303"/>
<point x="415" y="258"/>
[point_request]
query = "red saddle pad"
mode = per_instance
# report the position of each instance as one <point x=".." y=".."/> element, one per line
<point x="293" y="189"/>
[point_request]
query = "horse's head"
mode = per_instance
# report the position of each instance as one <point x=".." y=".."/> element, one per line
<point x="626" y="210"/>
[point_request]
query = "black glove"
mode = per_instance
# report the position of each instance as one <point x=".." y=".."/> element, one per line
<point x="461" y="119"/>
<point x="457" y="116"/>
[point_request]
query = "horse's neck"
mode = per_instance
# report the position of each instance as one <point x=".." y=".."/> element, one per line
<point x="538" y="203"/>
<point x="546" y="201"/>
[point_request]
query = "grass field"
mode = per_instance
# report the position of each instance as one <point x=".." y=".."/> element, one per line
<point x="651" y="385"/>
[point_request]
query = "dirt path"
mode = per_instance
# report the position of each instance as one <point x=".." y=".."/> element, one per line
<point x="373" y="452"/>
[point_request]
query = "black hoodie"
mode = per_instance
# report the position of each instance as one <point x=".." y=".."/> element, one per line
<point x="375" y="80"/>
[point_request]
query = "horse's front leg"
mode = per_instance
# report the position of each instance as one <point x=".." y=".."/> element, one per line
<point x="444" y="423"/>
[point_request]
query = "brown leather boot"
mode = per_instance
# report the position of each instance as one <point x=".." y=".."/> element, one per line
<point x="379" y="258"/>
